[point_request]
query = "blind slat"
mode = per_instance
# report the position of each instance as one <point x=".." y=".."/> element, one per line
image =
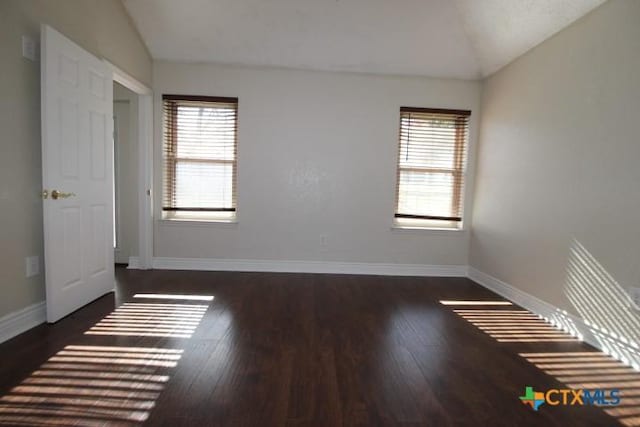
<point x="431" y="163"/>
<point x="200" y="153"/>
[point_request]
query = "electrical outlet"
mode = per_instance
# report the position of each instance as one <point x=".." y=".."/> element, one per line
<point x="33" y="265"/>
<point x="29" y="48"/>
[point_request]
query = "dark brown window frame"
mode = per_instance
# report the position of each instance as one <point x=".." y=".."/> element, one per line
<point x="171" y="145"/>
<point x="457" y="171"/>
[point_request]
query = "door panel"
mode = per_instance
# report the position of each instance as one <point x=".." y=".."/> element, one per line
<point x="99" y="258"/>
<point x="77" y="159"/>
<point x="98" y="148"/>
<point x="70" y="254"/>
<point x="69" y="139"/>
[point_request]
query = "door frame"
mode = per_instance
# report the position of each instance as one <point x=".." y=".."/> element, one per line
<point x="145" y="164"/>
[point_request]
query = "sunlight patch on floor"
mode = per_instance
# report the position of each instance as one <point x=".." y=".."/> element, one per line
<point x="595" y="370"/>
<point x="151" y="320"/>
<point x="91" y="386"/>
<point x="474" y="302"/>
<point x="176" y="297"/>
<point x="513" y="325"/>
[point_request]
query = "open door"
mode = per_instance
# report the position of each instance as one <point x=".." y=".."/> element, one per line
<point x="77" y="174"/>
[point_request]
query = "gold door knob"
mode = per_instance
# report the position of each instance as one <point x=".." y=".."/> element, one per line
<point x="55" y="195"/>
<point x="44" y="194"/>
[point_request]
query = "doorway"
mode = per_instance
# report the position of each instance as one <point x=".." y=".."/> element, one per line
<point x="125" y="156"/>
<point x="133" y="160"/>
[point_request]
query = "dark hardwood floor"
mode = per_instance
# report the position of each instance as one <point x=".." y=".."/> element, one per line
<point x="298" y="350"/>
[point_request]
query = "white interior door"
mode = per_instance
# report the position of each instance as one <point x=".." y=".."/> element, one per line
<point x="77" y="167"/>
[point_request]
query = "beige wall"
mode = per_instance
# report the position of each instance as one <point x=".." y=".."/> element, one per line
<point x="103" y="28"/>
<point x="317" y="157"/>
<point x="557" y="199"/>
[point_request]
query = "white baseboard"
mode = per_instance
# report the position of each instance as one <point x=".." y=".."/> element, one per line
<point x="576" y="326"/>
<point x="134" y="263"/>
<point x="22" y="320"/>
<point x="205" y="264"/>
<point x="512" y="293"/>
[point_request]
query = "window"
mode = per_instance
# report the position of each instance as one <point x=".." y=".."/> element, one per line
<point x="431" y="167"/>
<point x="200" y="149"/>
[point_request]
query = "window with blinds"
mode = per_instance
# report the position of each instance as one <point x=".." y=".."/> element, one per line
<point x="200" y="163"/>
<point x="431" y="167"/>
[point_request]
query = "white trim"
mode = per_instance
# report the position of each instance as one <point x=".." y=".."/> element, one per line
<point x="145" y="161"/>
<point x="22" y="320"/>
<point x="576" y="326"/>
<point x="134" y="263"/>
<point x="145" y="179"/>
<point x="196" y="223"/>
<point x="209" y="264"/>
<point x="127" y="80"/>
<point x="427" y="230"/>
<point x="512" y="293"/>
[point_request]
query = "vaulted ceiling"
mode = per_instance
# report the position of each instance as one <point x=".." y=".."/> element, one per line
<point x="466" y="39"/>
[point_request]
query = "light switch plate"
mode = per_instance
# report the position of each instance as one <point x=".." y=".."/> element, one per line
<point x="32" y="265"/>
<point x="29" y="48"/>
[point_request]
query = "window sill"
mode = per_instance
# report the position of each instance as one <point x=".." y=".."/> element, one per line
<point x="200" y="222"/>
<point x="401" y="224"/>
<point x="438" y="230"/>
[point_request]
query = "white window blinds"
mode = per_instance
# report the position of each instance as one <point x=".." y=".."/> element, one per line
<point x="431" y="164"/>
<point x="200" y="149"/>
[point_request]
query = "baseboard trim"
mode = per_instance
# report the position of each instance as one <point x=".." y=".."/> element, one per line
<point x="22" y="320"/>
<point x="574" y="325"/>
<point x="134" y="263"/>
<point x="207" y="264"/>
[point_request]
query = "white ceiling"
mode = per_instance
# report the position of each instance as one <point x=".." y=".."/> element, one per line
<point x="439" y="38"/>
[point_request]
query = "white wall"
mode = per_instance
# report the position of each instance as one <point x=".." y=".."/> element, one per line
<point x="558" y="183"/>
<point x="125" y="111"/>
<point x="316" y="156"/>
<point x="103" y="28"/>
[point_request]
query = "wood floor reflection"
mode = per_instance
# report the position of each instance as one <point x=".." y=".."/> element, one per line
<point x="266" y="349"/>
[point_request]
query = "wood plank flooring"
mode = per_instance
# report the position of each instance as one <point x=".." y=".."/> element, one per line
<point x="299" y="350"/>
